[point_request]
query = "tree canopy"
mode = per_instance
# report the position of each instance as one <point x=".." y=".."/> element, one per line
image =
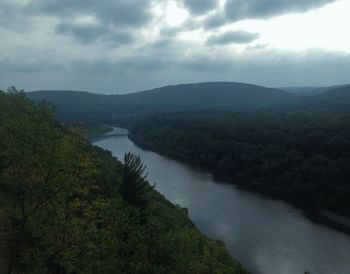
<point x="303" y="155"/>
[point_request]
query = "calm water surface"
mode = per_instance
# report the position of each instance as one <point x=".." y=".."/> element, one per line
<point x="267" y="236"/>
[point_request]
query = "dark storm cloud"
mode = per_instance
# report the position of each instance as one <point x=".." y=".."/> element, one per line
<point x="216" y="20"/>
<point x="112" y="21"/>
<point x="232" y="37"/>
<point x="200" y="6"/>
<point x="162" y="43"/>
<point x="119" y="38"/>
<point x="117" y="12"/>
<point x="236" y="10"/>
<point x="85" y="34"/>
<point x="90" y="33"/>
<point x="11" y="17"/>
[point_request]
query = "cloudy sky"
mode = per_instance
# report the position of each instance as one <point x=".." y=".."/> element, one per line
<point x="119" y="46"/>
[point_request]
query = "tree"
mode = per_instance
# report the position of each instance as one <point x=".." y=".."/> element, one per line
<point x="134" y="186"/>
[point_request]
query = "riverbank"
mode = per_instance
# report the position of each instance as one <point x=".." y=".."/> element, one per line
<point x="266" y="235"/>
<point x="321" y="216"/>
<point x="92" y="131"/>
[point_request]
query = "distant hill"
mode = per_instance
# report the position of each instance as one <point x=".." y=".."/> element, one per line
<point x="310" y="91"/>
<point x="336" y="99"/>
<point x="80" y="105"/>
<point x="214" y="96"/>
<point x="207" y="96"/>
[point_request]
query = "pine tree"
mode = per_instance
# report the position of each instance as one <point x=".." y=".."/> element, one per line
<point x="134" y="186"/>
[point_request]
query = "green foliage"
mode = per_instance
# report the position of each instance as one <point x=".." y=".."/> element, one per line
<point x="73" y="208"/>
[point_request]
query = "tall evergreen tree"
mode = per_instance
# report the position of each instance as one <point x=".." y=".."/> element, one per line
<point x="134" y="186"/>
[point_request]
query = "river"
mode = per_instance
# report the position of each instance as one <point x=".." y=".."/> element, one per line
<point x="268" y="236"/>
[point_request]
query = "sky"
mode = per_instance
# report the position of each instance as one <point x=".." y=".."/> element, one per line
<point x="121" y="46"/>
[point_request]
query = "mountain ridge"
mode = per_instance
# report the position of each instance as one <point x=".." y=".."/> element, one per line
<point x="206" y="96"/>
<point x="213" y="96"/>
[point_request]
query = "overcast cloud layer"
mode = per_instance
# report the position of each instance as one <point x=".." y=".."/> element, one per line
<point x="129" y="45"/>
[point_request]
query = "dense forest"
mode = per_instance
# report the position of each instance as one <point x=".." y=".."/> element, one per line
<point x="303" y="155"/>
<point x="69" y="207"/>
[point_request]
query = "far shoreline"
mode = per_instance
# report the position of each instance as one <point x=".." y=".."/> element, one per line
<point x="324" y="217"/>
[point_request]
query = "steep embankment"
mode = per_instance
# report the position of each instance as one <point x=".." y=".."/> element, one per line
<point x="77" y="209"/>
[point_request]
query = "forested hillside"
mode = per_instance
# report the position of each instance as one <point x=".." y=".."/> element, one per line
<point x="304" y="155"/>
<point x="83" y="106"/>
<point x="310" y="91"/>
<point x="70" y="207"/>
<point x="334" y="100"/>
<point x="73" y="106"/>
<point x="215" y="96"/>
